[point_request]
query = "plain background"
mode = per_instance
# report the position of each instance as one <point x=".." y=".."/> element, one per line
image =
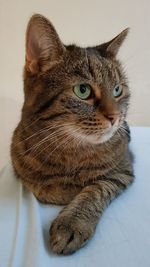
<point x="82" y="22"/>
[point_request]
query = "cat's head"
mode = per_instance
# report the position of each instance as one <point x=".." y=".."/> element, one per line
<point x="82" y="90"/>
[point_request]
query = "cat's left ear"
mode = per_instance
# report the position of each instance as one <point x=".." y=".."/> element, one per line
<point x="111" y="48"/>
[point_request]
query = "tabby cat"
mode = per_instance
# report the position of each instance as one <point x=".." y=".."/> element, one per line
<point x="71" y="144"/>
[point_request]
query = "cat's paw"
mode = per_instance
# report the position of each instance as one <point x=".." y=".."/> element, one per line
<point x="69" y="233"/>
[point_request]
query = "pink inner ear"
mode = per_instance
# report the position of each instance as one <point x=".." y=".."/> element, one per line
<point x="32" y="47"/>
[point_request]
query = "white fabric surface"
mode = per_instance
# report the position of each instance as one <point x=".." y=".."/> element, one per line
<point x="122" y="238"/>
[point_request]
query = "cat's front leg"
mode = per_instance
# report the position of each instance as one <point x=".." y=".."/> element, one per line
<point x="76" y="223"/>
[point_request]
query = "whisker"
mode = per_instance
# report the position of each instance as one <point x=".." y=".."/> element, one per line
<point x="29" y="125"/>
<point x="59" y="135"/>
<point x="43" y="140"/>
<point x="45" y="129"/>
<point x="70" y="137"/>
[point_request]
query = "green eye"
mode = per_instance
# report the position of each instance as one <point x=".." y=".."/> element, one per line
<point x="117" y="91"/>
<point x="83" y="91"/>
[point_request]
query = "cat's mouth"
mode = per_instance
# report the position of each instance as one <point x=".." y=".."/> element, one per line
<point x="102" y="137"/>
<point x="94" y="138"/>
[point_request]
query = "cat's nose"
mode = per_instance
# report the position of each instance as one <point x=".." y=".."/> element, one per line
<point x="112" y="118"/>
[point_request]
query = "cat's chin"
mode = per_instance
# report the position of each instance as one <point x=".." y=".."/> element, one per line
<point x="103" y="138"/>
<point x="93" y="139"/>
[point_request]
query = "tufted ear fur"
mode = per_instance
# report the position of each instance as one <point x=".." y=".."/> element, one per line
<point x="43" y="46"/>
<point x="111" y="48"/>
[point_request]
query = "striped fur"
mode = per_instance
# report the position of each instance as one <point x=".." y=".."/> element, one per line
<point x="61" y="149"/>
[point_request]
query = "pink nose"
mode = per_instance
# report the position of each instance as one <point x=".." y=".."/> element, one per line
<point x="112" y="118"/>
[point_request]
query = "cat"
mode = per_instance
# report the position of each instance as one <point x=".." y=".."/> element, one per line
<point x="71" y="146"/>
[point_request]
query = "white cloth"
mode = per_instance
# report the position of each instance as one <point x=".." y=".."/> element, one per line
<point x="122" y="238"/>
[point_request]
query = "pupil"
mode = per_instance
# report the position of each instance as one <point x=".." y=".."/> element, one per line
<point x="82" y="88"/>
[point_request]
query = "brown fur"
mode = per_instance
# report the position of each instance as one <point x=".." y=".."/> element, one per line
<point x="59" y="148"/>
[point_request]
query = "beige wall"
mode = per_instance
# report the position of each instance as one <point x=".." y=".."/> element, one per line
<point x="84" y="22"/>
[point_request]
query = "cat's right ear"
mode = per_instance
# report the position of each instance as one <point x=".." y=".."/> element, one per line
<point x="43" y="46"/>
